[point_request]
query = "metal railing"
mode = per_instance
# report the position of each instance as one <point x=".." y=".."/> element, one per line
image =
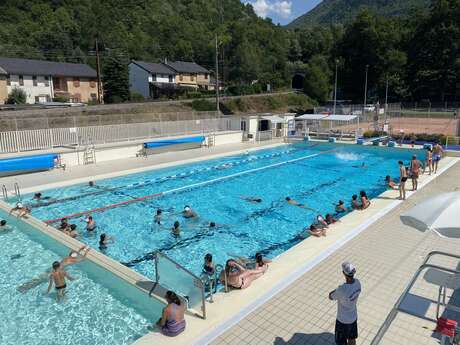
<point x="264" y="135"/>
<point x="396" y="308"/>
<point x="175" y="277"/>
<point x="40" y="139"/>
<point x="5" y="193"/>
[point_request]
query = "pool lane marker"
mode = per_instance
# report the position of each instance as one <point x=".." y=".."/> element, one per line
<point x="180" y="189"/>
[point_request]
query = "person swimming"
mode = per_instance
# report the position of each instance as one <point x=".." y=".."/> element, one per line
<point x="365" y="203"/>
<point x="340" y="207"/>
<point x="355" y="203"/>
<point x="72" y="231"/>
<point x="91" y="183"/>
<point x="176" y="229"/>
<point x="104" y="240"/>
<point x="39" y="196"/>
<point x="208" y="265"/>
<point x="4" y="226"/>
<point x="252" y="199"/>
<point x="90" y="224"/>
<point x="64" y="225"/>
<point x="157" y="218"/>
<point x="363" y="165"/>
<point x="293" y="202"/>
<point x="390" y="183"/>
<point x="189" y="213"/>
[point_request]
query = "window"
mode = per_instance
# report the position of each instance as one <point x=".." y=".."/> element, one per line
<point x="206" y="76"/>
<point x="21" y="80"/>
<point x="34" y="80"/>
<point x="47" y="81"/>
<point x="181" y="77"/>
<point x="37" y="99"/>
<point x="92" y="83"/>
<point x="93" y="97"/>
<point x="192" y="77"/>
<point x="154" y="77"/>
<point x="8" y="80"/>
<point x="170" y="78"/>
<point x="76" y="82"/>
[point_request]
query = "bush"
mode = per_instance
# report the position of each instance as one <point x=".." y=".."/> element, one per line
<point x="203" y="105"/>
<point x="17" y="96"/>
<point x="441" y="138"/>
<point x="136" y="97"/>
<point x="373" y="134"/>
<point x="61" y="99"/>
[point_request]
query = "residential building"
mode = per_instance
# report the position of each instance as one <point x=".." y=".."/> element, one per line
<point x="43" y="81"/>
<point x="151" y="79"/>
<point x="190" y="74"/>
<point x="3" y="91"/>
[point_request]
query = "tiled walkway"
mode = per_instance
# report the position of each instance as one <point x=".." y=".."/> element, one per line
<point x="386" y="256"/>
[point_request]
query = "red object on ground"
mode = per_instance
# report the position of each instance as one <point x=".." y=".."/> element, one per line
<point x="446" y="326"/>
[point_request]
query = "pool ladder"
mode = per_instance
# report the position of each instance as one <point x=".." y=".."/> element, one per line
<point x="5" y="193"/>
<point x="17" y="191"/>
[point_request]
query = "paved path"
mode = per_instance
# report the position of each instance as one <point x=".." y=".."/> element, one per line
<point x="386" y="256"/>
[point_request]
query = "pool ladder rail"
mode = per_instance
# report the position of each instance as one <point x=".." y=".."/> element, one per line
<point x="5" y="193"/>
<point x="17" y="191"/>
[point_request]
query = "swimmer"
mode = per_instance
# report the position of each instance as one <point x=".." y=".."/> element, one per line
<point x="293" y="202"/>
<point x="4" y="226"/>
<point x="64" y="224"/>
<point x="176" y="229"/>
<point x="39" y="196"/>
<point x="21" y="210"/>
<point x="189" y="213"/>
<point x="330" y="220"/>
<point x="91" y="183"/>
<point x="363" y="165"/>
<point x="157" y="218"/>
<point x="57" y="277"/>
<point x="261" y="263"/>
<point x="365" y="203"/>
<point x="75" y="257"/>
<point x="340" y="207"/>
<point x="90" y="224"/>
<point x="208" y="265"/>
<point x="72" y="232"/>
<point x="314" y="231"/>
<point x="252" y="199"/>
<point x="321" y="221"/>
<point x="390" y="183"/>
<point x="104" y="240"/>
<point x="355" y="205"/>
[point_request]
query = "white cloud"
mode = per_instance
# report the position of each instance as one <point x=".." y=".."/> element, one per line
<point x="264" y="8"/>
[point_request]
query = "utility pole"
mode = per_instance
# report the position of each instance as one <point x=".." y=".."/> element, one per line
<point x="365" y="94"/>
<point x="386" y="103"/>
<point x="335" y="87"/>
<point x="98" y="71"/>
<point x="217" y="76"/>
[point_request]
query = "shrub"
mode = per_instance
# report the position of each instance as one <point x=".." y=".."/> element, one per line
<point x="136" y="97"/>
<point x="203" y="105"/>
<point x="61" y="99"/>
<point x="17" y="96"/>
<point x="373" y="134"/>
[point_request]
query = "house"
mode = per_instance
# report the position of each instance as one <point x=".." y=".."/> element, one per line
<point x="190" y="74"/>
<point x="151" y="79"/>
<point x="3" y="91"/>
<point x="43" y="81"/>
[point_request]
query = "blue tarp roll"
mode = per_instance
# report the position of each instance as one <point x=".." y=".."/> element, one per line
<point x="28" y="163"/>
<point x="161" y="143"/>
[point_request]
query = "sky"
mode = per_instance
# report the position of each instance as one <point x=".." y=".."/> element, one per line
<point x="282" y="11"/>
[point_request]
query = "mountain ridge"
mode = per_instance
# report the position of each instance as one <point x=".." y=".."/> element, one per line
<point x="341" y="11"/>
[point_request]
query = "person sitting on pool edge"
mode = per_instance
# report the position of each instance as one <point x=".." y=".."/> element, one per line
<point x="315" y="231"/>
<point x="189" y="213"/>
<point x="172" y="321"/>
<point x="330" y="220"/>
<point x="104" y="240"/>
<point x="365" y="203"/>
<point x="22" y="211"/>
<point x="355" y="205"/>
<point x="390" y="183"/>
<point x="72" y="231"/>
<point x="261" y="263"/>
<point x="321" y="221"/>
<point x="340" y="207"/>
<point x="237" y="276"/>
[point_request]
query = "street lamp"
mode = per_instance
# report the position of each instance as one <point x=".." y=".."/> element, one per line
<point x="386" y="103"/>
<point x="365" y="94"/>
<point x="335" y="87"/>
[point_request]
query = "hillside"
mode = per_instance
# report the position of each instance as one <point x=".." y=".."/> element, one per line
<point x="341" y="11"/>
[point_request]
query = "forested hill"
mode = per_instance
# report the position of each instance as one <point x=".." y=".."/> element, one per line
<point x="145" y="29"/>
<point x="341" y="11"/>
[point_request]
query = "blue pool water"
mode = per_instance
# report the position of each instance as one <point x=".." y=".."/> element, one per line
<point x="90" y="314"/>
<point x="317" y="175"/>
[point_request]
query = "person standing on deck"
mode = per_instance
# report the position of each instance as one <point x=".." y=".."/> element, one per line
<point x="414" y="171"/>
<point x="346" y="295"/>
<point x="437" y="154"/>
<point x="402" y="180"/>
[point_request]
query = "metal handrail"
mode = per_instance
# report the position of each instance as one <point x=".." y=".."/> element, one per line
<point x="17" y="190"/>
<point x="394" y="311"/>
<point x="199" y="283"/>
<point x="5" y="193"/>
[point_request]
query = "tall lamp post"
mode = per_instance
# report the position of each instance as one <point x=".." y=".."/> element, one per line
<point x="335" y="86"/>
<point x="365" y="94"/>
<point x="386" y="103"/>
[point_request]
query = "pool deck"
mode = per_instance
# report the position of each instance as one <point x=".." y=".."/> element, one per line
<point x="289" y="305"/>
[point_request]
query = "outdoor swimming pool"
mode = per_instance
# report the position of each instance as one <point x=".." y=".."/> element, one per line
<point x="317" y="175"/>
<point x="90" y="314"/>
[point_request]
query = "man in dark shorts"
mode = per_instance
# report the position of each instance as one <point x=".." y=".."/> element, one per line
<point x="346" y="295"/>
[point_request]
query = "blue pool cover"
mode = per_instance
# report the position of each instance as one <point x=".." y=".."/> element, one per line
<point x="162" y="143"/>
<point x="27" y="163"/>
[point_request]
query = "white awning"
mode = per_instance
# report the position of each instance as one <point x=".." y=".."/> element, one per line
<point x="325" y="117"/>
<point x="274" y="119"/>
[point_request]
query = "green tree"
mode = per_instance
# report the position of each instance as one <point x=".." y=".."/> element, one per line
<point x="17" y="96"/>
<point x="115" y="79"/>
<point x="317" y="79"/>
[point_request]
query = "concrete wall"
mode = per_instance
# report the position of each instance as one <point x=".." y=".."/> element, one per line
<point x="228" y="138"/>
<point x="87" y="89"/>
<point x="41" y="90"/>
<point x="3" y="91"/>
<point x="139" y="80"/>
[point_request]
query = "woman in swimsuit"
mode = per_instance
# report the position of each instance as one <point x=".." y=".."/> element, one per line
<point x="428" y="160"/>
<point x="239" y="277"/>
<point x="261" y="263"/>
<point x="365" y="203"/>
<point x="104" y="240"/>
<point x="208" y="265"/>
<point x="402" y="180"/>
<point x="172" y="321"/>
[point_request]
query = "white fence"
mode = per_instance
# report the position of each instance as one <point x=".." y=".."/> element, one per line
<point x="39" y="139"/>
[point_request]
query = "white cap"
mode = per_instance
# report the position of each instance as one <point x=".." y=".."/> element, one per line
<point x="186" y="208"/>
<point x="19" y="204"/>
<point x="348" y="268"/>
<point x="73" y="255"/>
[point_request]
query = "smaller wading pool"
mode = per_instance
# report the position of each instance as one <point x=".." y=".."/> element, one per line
<point x="99" y="307"/>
